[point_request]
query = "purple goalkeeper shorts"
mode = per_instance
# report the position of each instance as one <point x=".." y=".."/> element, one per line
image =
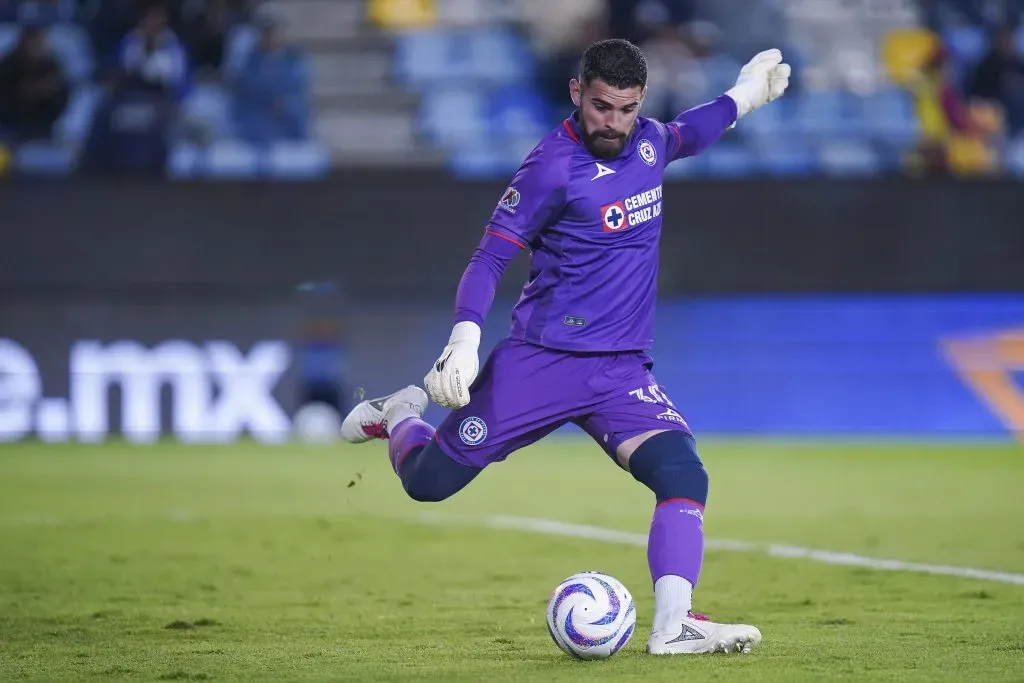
<point x="524" y="392"/>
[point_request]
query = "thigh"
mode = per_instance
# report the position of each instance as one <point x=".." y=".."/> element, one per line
<point x="522" y="394"/>
<point x="633" y="402"/>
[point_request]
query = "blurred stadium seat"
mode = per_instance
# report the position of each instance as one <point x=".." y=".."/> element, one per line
<point x="296" y="160"/>
<point x="231" y="159"/>
<point x="43" y="158"/>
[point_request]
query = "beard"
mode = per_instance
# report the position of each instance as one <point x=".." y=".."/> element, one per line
<point x="605" y="144"/>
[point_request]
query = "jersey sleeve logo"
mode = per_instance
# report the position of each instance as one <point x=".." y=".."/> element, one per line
<point x="647" y="152"/>
<point x="510" y="200"/>
<point x="613" y="216"/>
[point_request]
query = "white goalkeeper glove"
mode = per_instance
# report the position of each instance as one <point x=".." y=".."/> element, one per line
<point x="762" y="80"/>
<point x="448" y="381"/>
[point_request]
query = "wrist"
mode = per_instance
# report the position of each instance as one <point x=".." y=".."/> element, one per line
<point x="742" y="104"/>
<point x="466" y="331"/>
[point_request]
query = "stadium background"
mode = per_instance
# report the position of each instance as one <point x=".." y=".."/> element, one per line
<point x="202" y="251"/>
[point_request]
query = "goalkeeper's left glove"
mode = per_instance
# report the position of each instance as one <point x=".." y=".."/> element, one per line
<point x="449" y="379"/>
<point x="762" y="80"/>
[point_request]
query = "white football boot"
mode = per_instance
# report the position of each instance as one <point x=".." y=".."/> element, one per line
<point x="695" y="634"/>
<point x="369" y="419"/>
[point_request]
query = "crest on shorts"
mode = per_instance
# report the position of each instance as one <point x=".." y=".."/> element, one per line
<point x="473" y="431"/>
<point x="647" y="152"/>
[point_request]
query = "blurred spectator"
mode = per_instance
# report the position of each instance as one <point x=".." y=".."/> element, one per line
<point x="132" y="128"/>
<point x="33" y="89"/>
<point x="559" y="34"/>
<point x="999" y="78"/>
<point x="108" y="22"/>
<point x="205" y="35"/>
<point x="272" y="89"/>
<point x="956" y="137"/>
<point x="151" y="57"/>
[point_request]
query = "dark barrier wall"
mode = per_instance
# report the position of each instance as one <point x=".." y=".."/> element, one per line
<point x="141" y="309"/>
<point x="403" y="234"/>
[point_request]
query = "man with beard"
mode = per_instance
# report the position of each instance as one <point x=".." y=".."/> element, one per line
<point x="587" y="203"/>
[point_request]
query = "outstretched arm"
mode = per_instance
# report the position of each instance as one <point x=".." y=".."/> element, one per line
<point x="696" y="129"/>
<point x="762" y="80"/>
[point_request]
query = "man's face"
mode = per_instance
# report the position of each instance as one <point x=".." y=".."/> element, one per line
<point x="607" y="115"/>
<point x="271" y="38"/>
<point x="33" y="43"/>
<point x="154" y="22"/>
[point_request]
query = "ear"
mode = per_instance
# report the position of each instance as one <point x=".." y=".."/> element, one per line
<point x="575" y="92"/>
<point x="643" y="96"/>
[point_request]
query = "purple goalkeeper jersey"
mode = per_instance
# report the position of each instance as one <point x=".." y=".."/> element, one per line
<point x="593" y="226"/>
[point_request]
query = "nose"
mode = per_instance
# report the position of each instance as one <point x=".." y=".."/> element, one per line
<point x="614" y="120"/>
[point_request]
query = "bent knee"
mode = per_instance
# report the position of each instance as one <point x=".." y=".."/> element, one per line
<point x="669" y="466"/>
<point x="425" y="492"/>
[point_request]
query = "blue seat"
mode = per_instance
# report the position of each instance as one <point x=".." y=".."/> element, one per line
<point x="494" y="55"/>
<point x="208" y="107"/>
<point x="297" y="160"/>
<point x="888" y="116"/>
<point x="231" y="159"/>
<point x="184" y="162"/>
<point x="721" y="72"/>
<point x="729" y="160"/>
<point x="422" y="57"/>
<point x="848" y="157"/>
<point x="490" y="55"/>
<point x="517" y="112"/>
<point x="789" y="155"/>
<point x="483" y="162"/>
<point x="454" y="116"/>
<point x="822" y="113"/>
<point x="44" y="158"/>
<point x="765" y="122"/>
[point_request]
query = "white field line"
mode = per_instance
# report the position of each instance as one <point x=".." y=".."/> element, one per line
<point x="594" y="533"/>
<point x="555" y="528"/>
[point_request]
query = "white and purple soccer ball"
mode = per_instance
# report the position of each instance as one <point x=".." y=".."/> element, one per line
<point x="591" y="615"/>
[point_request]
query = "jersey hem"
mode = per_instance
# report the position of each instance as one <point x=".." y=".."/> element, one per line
<point x="581" y="348"/>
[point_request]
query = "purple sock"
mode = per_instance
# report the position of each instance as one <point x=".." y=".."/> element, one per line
<point x="676" y="542"/>
<point x="405" y="436"/>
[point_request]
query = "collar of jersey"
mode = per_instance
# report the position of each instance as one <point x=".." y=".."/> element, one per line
<point x="572" y="126"/>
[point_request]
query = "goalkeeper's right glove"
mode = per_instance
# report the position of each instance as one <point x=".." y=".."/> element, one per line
<point x="762" y="80"/>
<point x="456" y="368"/>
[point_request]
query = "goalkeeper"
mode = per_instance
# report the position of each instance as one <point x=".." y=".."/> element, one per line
<point x="587" y="204"/>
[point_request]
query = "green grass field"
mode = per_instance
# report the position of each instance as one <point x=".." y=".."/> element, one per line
<point x="301" y="563"/>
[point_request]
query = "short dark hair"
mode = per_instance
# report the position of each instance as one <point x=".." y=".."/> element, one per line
<point x="617" y="62"/>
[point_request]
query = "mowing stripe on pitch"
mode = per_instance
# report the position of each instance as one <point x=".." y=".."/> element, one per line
<point x="554" y="528"/>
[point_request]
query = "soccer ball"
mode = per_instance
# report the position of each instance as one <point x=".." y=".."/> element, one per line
<point x="591" y="615"/>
